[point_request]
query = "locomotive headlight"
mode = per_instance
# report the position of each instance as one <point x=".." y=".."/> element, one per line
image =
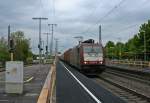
<point x="85" y="62"/>
<point x="100" y="62"/>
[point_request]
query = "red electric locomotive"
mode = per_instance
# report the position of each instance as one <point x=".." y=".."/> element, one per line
<point x="87" y="57"/>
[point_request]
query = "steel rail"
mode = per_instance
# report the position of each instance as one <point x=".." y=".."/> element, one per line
<point x="125" y="88"/>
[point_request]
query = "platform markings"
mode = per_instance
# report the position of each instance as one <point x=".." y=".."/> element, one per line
<point x="28" y="80"/>
<point x="4" y="100"/>
<point x="31" y="94"/>
<point x="82" y="85"/>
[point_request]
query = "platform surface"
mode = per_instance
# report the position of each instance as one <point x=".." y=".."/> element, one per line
<point x="32" y="89"/>
<point x="68" y="90"/>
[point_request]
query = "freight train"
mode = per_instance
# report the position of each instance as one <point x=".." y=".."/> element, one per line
<point x="87" y="57"/>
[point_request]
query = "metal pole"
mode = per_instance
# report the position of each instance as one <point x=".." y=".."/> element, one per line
<point x="12" y="56"/>
<point x="144" y="47"/>
<point x="39" y="41"/>
<point x="40" y="18"/>
<point x="56" y="48"/>
<point x="51" y="46"/>
<point x="119" y="49"/>
<point x="43" y="48"/>
<point x="47" y="48"/>
<point x="47" y="45"/>
<point x="8" y="36"/>
<point x="10" y="47"/>
<point x="100" y="38"/>
<point x="47" y="42"/>
<point x="52" y="41"/>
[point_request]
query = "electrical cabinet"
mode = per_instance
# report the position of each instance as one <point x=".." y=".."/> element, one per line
<point x="14" y="77"/>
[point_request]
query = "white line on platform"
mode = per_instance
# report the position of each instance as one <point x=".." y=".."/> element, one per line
<point x="4" y="100"/>
<point x="83" y="86"/>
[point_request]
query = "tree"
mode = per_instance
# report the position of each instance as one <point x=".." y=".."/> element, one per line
<point x="22" y="46"/>
<point x="134" y="47"/>
<point x="144" y="31"/>
<point x="109" y="48"/>
<point x="4" y="54"/>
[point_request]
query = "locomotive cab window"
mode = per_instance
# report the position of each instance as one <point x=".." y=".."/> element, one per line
<point x="90" y="49"/>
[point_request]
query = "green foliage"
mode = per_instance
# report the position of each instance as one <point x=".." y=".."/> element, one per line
<point x="29" y="60"/>
<point x="21" y="50"/>
<point x="22" y="46"/>
<point x="4" y="54"/>
<point x="110" y="48"/>
<point x="134" y="47"/>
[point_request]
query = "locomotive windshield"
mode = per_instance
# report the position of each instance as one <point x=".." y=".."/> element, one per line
<point x="92" y="53"/>
<point x="90" y="49"/>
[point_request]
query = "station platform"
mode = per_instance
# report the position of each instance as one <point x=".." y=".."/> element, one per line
<point x="34" y="77"/>
<point x="74" y="87"/>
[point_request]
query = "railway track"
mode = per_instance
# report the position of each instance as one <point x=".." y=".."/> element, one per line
<point x="138" y="78"/>
<point x="131" y="88"/>
<point x="129" y="95"/>
<point x="131" y="73"/>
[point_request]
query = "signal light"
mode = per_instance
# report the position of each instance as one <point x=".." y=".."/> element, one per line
<point x="46" y="48"/>
<point x="11" y="45"/>
<point x="39" y="46"/>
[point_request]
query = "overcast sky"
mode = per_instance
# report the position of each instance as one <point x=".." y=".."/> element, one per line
<point x="74" y="18"/>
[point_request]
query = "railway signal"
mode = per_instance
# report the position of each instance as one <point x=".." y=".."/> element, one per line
<point x="40" y="41"/>
<point x="10" y="43"/>
<point x="47" y="44"/>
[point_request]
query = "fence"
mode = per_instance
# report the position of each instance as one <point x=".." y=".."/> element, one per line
<point x="130" y="63"/>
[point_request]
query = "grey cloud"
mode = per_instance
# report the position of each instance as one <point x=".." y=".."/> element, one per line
<point x="82" y="19"/>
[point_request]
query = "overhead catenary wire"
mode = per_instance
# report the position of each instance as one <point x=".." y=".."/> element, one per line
<point x="93" y="9"/>
<point x="127" y="28"/>
<point x="53" y="9"/>
<point x="132" y="25"/>
<point x="135" y="24"/>
<point x="106" y="15"/>
<point x="41" y="6"/>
